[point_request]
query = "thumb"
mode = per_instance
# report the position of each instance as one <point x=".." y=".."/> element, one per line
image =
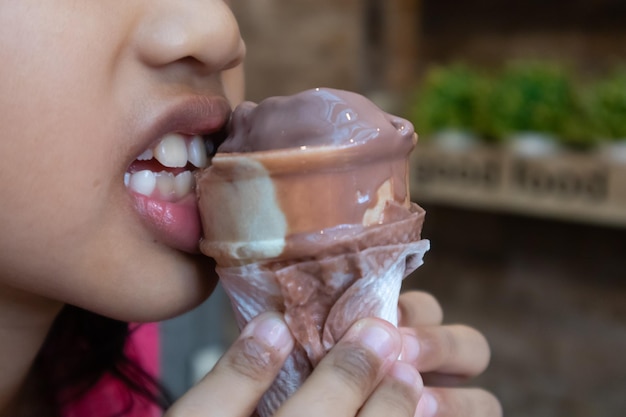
<point x="248" y="369"/>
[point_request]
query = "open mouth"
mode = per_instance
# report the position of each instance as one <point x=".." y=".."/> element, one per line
<point x="161" y="180"/>
<point x="166" y="171"/>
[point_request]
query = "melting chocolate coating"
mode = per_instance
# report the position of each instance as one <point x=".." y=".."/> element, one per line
<point x="316" y="117"/>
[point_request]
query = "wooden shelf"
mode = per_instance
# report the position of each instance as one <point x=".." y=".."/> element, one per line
<point x="567" y="185"/>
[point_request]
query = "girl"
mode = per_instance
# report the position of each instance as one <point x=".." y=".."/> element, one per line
<point x="90" y="90"/>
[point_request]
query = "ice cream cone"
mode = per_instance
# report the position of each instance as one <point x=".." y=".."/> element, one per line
<point x="323" y="233"/>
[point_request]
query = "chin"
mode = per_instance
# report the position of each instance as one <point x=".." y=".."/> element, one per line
<point x="160" y="292"/>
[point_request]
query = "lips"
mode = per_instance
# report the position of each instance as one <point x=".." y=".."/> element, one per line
<point x="161" y="179"/>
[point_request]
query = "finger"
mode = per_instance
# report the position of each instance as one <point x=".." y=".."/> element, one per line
<point x="348" y="374"/>
<point x="397" y="395"/>
<point x="456" y="350"/>
<point x="458" y="402"/>
<point x="416" y="308"/>
<point x="247" y="368"/>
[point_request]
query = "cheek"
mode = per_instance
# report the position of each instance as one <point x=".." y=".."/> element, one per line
<point x="58" y="163"/>
<point x="51" y="206"/>
<point x="53" y="115"/>
<point x="57" y="146"/>
<point x="52" y="177"/>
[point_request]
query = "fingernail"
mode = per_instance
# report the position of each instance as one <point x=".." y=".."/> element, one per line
<point x="270" y="330"/>
<point x="410" y="348"/>
<point x="427" y="406"/>
<point x="373" y="336"/>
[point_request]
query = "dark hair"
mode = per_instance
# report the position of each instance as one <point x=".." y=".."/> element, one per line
<point x="79" y="350"/>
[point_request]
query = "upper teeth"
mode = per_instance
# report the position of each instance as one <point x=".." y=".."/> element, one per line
<point x="174" y="151"/>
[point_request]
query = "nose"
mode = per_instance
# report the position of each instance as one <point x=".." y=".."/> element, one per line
<point x="204" y="31"/>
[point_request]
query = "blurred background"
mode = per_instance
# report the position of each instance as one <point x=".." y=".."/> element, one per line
<point x="521" y="166"/>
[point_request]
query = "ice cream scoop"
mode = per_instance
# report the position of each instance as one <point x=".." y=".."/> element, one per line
<point x="306" y="210"/>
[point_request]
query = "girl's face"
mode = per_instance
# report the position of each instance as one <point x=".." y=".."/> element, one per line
<point x="86" y="87"/>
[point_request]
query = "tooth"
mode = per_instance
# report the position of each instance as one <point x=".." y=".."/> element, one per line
<point x="172" y="151"/>
<point x="196" y="151"/>
<point x="127" y="179"/>
<point x="146" y="155"/>
<point x="184" y="183"/>
<point x="165" y="185"/>
<point x="143" y="182"/>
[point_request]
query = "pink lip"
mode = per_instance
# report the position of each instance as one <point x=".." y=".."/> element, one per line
<point x="178" y="224"/>
<point x="175" y="224"/>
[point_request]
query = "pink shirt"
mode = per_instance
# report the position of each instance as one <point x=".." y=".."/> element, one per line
<point x="110" y="396"/>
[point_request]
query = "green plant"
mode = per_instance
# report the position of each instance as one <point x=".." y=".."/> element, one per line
<point x="577" y="131"/>
<point x="607" y="106"/>
<point x="530" y="96"/>
<point x="448" y="98"/>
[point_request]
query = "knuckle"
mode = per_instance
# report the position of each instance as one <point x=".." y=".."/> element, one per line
<point x="252" y="360"/>
<point x="357" y="367"/>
